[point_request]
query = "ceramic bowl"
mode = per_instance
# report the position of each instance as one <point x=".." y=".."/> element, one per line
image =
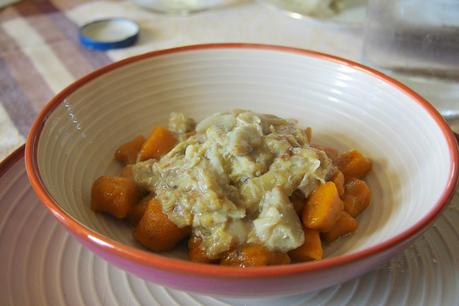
<point x="348" y="106"/>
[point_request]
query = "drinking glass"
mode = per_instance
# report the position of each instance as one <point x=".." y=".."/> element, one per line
<point x="417" y="42"/>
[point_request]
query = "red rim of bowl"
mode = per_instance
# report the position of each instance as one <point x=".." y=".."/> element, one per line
<point x="181" y="266"/>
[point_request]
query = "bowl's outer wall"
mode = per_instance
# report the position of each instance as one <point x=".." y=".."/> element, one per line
<point x="253" y="286"/>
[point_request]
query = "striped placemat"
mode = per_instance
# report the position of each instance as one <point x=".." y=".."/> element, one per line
<point x="39" y="55"/>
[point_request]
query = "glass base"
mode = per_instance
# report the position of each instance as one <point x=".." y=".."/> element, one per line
<point x="443" y="94"/>
<point x="177" y="7"/>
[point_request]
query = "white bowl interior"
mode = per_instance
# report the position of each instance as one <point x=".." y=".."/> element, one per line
<point x="347" y="108"/>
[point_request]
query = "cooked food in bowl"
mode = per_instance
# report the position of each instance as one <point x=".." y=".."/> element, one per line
<point x="245" y="189"/>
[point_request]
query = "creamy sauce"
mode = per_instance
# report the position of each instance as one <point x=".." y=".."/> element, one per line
<point x="232" y="179"/>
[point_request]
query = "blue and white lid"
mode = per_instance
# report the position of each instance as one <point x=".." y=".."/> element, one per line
<point x="111" y="33"/>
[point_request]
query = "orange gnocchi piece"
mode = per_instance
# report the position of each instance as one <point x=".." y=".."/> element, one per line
<point x="344" y="225"/>
<point x="338" y="179"/>
<point x="114" y="195"/>
<point x="254" y="255"/>
<point x="357" y="196"/>
<point x="323" y="208"/>
<point x="159" y="143"/>
<point x="311" y="249"/>
<point x="127" y="153"/>
<point x="353" y="164"/>
<point x="156" y="232"/>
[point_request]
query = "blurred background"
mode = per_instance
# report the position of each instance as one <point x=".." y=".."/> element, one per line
<point x="414" y="41"/>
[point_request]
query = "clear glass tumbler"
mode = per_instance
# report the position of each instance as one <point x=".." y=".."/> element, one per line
<point x="417" y="41"/>
<point x="177" y="7"/>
